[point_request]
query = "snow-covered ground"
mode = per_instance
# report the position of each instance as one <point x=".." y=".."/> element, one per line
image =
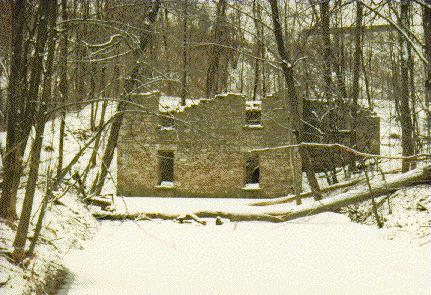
<point x="65" y="225"/>
<point x="325" y="254"/>
<point x="404" y="214"/>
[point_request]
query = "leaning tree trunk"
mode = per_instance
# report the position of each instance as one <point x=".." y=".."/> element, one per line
<point x="91" y="96"/>
<point x="406" y="123"/>
<point x="296" y="104"/>
<point x="109" y="150"/>
<point x="280" y="214"/>
<point x="145" y="40"/>
<point x="93" y="158"/>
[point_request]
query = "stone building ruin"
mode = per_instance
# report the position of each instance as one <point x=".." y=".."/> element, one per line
<point x="203" y="149"/>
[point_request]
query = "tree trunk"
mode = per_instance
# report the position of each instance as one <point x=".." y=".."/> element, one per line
<point x="295" y="103"/>
<point x="395" y="80"/>
<point x="31" y="100"/>
<point x="14" y="102"/>
<point x="64" y="85"/>
<point x="257" y="62"/>
<point x="91" y="95"/>
<point x="327" y="53"/>
<point x="116" y="91"/>
<point x="356" y="74"/>
<point x="24" y="222"/>
<point x="81" y="67"/>
<point x="367" y="82"/>
<point x="165" y="37"/>
<point x="339" y="67"/>
<point x="289" y="199"/>
<point x="214" y="72"/>
<point x="109" y="150"/>
<point x="262" y="53"/>
<point x="116" y="125"/>
<point x="414" y="177"/>
<point x="415" y="125"/>
<point x="39" y="223"/>
<point x="2" y="108"/>
<point x="406" y="123"/>
<point x="427" y="37"/>
<point x="339" y="62"/>
<point x="92" y="161"/>
<point x="23" y="113"/>
<point x="184" y="74"/>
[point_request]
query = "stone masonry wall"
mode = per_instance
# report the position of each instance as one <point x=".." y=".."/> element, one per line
<point x="336" y="126"/>
<point x="211" y="143"/>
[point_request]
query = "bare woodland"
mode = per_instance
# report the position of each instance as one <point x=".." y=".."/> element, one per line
<point x="58" y="57"/>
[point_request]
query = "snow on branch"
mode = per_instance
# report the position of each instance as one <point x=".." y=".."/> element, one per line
<point x="343" y="148"/>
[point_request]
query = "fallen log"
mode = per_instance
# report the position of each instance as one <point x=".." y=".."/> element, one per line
<point x="99" y="201"/>
<point x="289" y="199"/>
<point x="232" y="216"/>
<point x="304" y="195"/>
<point x="413" y="177"/>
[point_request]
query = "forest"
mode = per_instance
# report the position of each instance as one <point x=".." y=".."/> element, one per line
<point x="123" y="120"/>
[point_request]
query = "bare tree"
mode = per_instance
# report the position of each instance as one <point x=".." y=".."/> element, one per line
<point x="406" y="121"/>
<point x="327" y="52"/>
<point x="145" y="41"/>
<point x="296" y="103"/>
<point x="23" y="97"/>
<point x="185" y="53"/>
<point x="214" y="68"/>
<point x="64" y="85"/>
<point x="427" y="33"/>
<point x="47" y="10"/>
<point x="259" y="50"/>
<point x="15" y="104"/>
<point x="339" y="54"/>
<point x="356" y="73"/>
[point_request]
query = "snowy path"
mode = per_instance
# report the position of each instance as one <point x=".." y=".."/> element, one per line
<point x="326" y="254"/>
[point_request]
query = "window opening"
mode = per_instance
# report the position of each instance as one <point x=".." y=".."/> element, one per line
<point x="166" y="122"/>
<point x="166" y="163"/>
<point x="252" y="171"/>
<point x="253" y="117"/>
